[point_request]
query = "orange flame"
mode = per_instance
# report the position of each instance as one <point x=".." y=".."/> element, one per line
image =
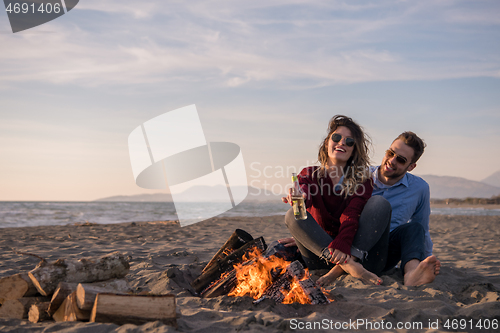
<point x="256" y="275"/>
<point x="227" y="252"/>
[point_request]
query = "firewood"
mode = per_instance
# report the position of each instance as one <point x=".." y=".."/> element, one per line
<point x="238" y="239"/>
<point x="225" y="285"/>
<point x="294" y="272"/>
<point x="86" y="293"/>
<point x="64" y="289"/>
<point x="69" y="311"/>
<point x="18" y="308"/>
<point x="215" y="271"/>
<point x="38" y="312"/>
<point x="315" y="294"/>
<point x="16" y="286"/>
<point x="134" y="309"/>
<point x="46" y="276"/>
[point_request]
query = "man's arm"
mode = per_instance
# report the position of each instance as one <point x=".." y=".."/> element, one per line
<point x="421" y="215"/>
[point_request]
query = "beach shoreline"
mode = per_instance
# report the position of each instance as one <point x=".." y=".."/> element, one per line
<point x="166" y="257"/>
<point x="455" y="205"/>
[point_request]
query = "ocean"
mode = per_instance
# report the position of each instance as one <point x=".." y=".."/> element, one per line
<point x="36" y="213"/>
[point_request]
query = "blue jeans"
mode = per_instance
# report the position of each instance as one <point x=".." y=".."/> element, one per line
<point x="370" y="243"/>
<point x="406" y="242"/>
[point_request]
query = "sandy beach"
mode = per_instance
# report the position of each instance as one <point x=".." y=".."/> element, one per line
<point x="165" y="258"/>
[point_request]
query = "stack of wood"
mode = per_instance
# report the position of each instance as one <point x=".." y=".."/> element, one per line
<point x="82" y="290"/>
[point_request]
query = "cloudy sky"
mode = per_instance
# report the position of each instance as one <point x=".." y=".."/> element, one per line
<point x="266" y="75"/>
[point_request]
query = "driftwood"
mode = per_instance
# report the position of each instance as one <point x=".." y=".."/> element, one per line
<point x="46" y="276"/>
<point x="38" y="312"/>
<point x="18" y="308"/>
<point x="238" y="239"/>
<point x="134" y="309"/>
<point x="64" y="289"/>
<point x="16" y="286"/>
<point x="69" y="311"/>
<point x="86" y="293"/>
<point x="214" y="273"/>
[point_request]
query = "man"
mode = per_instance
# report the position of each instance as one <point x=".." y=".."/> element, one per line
<point x="409" y="238"/>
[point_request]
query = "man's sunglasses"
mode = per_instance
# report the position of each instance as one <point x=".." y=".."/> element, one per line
<point x="337" y="137"/>
<point x="400" y="159"/>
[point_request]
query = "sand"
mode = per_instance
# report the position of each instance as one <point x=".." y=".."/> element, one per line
<point x="166" y="257"/>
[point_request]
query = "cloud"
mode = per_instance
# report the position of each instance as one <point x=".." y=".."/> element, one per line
<point x="258" y="43"/>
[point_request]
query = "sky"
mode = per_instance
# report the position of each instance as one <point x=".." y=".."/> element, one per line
<point x="266" y="75"/>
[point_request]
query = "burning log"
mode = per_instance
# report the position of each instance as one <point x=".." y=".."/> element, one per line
<point x="237" y="240"/>
<point x="279" y="288"/>
<point x="260" y="273"/>
<point x="46" y="276"/>
<point x="224" y="285"/>
<point x="284" y="289"/>
<point x="214" y="272"/>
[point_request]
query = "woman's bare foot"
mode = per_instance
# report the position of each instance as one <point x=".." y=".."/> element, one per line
<point x="418" y="273"/>
<point x="358" y="271"/>
<point x="331" y="276"/>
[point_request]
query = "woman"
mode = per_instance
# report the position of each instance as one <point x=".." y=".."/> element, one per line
<point x="339" y="230"/>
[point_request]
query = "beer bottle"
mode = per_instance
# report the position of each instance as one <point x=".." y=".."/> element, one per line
<point x="299" y="206"/>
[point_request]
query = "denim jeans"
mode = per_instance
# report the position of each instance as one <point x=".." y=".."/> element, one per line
<point x="370" y="243"/>
<point x="406" y="242"/>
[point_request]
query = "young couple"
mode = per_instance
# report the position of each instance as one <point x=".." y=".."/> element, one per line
<point x="362" y="220"/>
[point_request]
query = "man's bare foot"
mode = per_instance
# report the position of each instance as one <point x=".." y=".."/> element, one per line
<point x="358" y="271"/>
<point x="419" y="273"/>
<point x="331" y="276"/>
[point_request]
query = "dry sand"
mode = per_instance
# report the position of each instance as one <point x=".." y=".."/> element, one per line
<point x="166" y="257"/>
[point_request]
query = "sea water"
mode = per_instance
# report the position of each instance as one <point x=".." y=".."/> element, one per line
<point x="25" y="214"/>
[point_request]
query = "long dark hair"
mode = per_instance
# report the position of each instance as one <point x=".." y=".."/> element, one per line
<point x="356" y="171"/>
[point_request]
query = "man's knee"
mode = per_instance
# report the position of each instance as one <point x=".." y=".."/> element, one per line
<point x="377" y="207"/>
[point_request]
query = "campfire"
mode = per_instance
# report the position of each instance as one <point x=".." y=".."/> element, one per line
<point x="247" y="267"/>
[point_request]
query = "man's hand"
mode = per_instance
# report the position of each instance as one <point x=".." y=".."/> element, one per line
<point x="287" y="242"/>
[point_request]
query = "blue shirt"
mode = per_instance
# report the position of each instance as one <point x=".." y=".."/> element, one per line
<point x="410" y="202"/>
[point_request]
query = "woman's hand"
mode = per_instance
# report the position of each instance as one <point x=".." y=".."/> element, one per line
<point x="287" y="242"/>
<point x="288" y="198"/>
<point x="338" y="257"/>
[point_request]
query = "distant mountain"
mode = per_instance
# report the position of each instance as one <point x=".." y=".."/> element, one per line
<point x="210" y="193"/>
<point x="493" y="180"/>
<point x="196" y="194"/>
<point x="155" y="197"/>
<point x="443" y="187"/>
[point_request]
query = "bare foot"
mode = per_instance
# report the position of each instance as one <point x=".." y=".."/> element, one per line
<point x="424" y="272"/>
<point x="358" y="271"/>
<point x="331" y="276"/>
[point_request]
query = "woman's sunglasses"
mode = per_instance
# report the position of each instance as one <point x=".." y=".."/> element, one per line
<point x="400" y="159"/>
<point x="337" y="137"/>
